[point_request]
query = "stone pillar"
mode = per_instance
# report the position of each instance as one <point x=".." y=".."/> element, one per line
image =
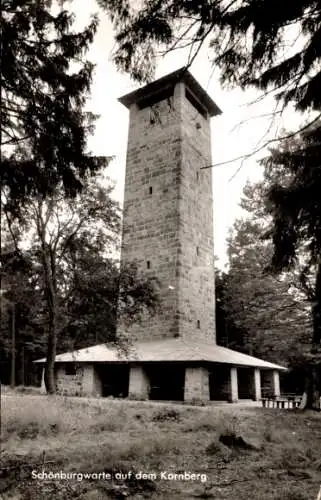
<point x="271" y="383"/>
<point x="276" y="383"/>
<point x="234" y="390"/>
<point x="257" y="394"/>
<point x="138" y="383"/>
<point x="91" y="385"/>
<point x="196" y="387"/>
<point x="98" y="386"/>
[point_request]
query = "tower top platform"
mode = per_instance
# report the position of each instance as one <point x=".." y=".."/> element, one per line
<point x="158" y="87"/>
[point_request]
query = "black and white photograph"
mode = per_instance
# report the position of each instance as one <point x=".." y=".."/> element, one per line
<point x="160" y="298"/>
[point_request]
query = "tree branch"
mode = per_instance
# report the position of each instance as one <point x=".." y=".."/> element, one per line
<point x="264" y="115"/>
<point x="267" y="143"/>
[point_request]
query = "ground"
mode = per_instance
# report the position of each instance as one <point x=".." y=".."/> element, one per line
<point x="278" y="457"/>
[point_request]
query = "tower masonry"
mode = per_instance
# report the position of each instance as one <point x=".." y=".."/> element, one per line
<point x="168" y="205"/>
<point x="168" y="233"/>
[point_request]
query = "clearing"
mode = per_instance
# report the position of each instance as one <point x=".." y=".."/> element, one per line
<point x="184" y="452"/>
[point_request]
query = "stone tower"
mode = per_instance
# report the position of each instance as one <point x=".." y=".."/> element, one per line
<point x="168" y="205"/>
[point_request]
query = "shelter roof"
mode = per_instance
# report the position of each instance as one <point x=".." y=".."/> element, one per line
<point x="174" y="350"/>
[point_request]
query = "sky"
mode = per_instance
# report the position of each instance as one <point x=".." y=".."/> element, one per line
<point x="243" y="127"/>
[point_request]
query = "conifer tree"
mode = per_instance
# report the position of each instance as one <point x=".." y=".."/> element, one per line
<point x="247" y="39"/>
<point x="293" y="200"/>
<point x="45" y="81"/>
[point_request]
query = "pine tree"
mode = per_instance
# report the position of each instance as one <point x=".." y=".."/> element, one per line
<point x="44" y="85"/>
<point x="269" y="312"/>
<point x="293" y="200"/>
<point x="247" y="39"/>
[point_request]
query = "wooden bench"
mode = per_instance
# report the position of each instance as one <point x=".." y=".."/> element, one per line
<point x="286" y="401"/>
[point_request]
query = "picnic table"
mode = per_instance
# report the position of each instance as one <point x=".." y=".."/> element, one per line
<point x="284" y="401"/>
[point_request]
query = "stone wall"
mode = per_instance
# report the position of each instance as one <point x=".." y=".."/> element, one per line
<point x="167" y="219"/>
<point x="196" y="276"/>
<point x="150" y="220"/>
<point x="85" y="381"/>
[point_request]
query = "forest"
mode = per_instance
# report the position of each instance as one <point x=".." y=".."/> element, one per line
<point x="61" y="283"/>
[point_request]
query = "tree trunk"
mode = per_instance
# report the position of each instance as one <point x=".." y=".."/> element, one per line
<point x="312" y="392"/>
<point x="316" y="312"/>
<point x="13" y="346"/>
<point x="49" y="376"/>
<point x="313" y="375"/>
<point x="23" y="381"/>
<point x="50" y="285"/>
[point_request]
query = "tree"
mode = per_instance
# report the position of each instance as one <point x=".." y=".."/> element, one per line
<point x="293" y="200"/>
<point x="247" y="39"/>
<point x="20" y="316"/>
<point x="44" y="85"/>
<point x="259" y="312"/>
<point x="102" y="292"/>
<point x="268" y="312"/>
<point x="69" y="242"/>
<point x="227" y="334"/>
<point x="90" y="306"/>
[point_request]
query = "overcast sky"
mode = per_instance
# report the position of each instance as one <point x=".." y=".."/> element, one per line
<point x="229" y="139"/>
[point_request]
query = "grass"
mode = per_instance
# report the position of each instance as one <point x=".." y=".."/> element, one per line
<point x="81" y="436"/>
<point x="23" y="389"/>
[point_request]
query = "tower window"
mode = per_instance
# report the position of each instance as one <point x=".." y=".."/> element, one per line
<point x="197" y="176"/>
<point x="198" y="324"/>
<point x="197" y="251"/>
<point x="148" y="264"/>
<point x="150" y="190"/>
<point x="154" y="116"/>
